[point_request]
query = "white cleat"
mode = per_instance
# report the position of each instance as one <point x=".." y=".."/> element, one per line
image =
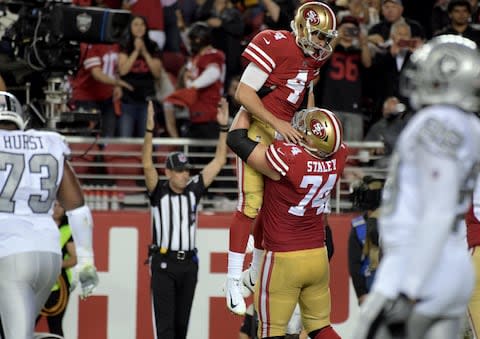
<point x="249" y="279"/>
<point x="235" y="302"/>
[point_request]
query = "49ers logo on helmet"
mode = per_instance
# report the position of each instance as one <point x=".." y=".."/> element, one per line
<point x="311" y="16"/>
<point x="318" y="129"/>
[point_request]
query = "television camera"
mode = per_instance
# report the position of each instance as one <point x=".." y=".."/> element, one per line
<point x="46" y="39"/>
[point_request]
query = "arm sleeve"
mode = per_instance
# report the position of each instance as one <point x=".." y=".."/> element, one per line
<point x="81" y="224"/>
<point x="211" y="74"/>
<point x="254" y="76"/>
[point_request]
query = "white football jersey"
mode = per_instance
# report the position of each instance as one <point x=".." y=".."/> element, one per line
<point x="433" y="172"/>
<point x="31" y="169"/>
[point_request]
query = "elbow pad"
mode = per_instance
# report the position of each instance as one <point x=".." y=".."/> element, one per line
<point x="240" y="144"/>
<point x="81" y="224"/>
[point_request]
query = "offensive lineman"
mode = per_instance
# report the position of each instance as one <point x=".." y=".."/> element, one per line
<point x="282" y="65"/>
<point x="425" y="277"/>
<point x="33" y="173"/>
<point x="299" y="180"/>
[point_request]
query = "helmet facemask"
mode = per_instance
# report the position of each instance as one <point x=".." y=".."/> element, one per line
<point x="315" y="22"/>
<point x="446" y="70"/>
<point x="314" y="50"/>
<point x="11" y="110"/>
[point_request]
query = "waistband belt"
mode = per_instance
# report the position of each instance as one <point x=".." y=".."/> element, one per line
<point x="180" y="255"/>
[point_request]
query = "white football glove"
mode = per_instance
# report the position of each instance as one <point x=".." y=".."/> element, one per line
<point x="87" y="273"/>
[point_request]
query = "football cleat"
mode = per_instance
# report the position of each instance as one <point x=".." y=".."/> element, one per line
<point x="235" y="302"/>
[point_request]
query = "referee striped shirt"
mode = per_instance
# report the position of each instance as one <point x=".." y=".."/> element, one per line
<point x="175" y="215"/>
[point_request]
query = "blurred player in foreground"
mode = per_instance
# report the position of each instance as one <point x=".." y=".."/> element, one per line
<point x="34" y="172"/>
<point x="425" y="278"/>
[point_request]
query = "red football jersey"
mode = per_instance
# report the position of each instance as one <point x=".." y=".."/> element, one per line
<point x="84" y="86"/>
<point x="205" y="108"/>
<point x="290" y="70"/>
<point x="293" y="207"/>
<point x="473" y="223"/>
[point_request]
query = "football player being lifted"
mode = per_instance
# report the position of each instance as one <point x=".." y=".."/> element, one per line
<point x="282" y="68"/>
<point x="299" y="180"/>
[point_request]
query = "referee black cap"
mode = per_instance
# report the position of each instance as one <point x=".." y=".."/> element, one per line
<point x="177" y="161"/>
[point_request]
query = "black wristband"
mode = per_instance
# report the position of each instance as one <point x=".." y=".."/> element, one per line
<point x="224" y="128"/>
<point x="149" y="131"/>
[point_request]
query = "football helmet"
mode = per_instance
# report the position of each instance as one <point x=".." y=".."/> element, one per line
<point x="446" y="70"/>
<point x="200" y="35"/>
<point x="11" y="109"/>
<point x="322" y="129"/>
<point x="315" y="19"/>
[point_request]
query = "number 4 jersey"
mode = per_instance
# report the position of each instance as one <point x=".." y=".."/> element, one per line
<point x="290" y="70"/>
<point x="293" y="207"/>
<point x="31" y="169"/>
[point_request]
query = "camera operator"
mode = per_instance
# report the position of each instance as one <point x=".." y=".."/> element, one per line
<point x="44" y="47"/>
<point x="363" y="245"/>
<point x="340" y="87"/>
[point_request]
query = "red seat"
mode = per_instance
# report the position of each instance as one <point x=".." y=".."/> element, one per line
<point x="125" y="161"/>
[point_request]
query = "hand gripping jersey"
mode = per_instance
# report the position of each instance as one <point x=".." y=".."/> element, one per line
<point x="31" y="169"/>
<point x="293" y="207"/>
<point x="290" y="71"/>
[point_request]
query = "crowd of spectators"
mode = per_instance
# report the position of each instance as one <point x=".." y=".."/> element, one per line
<point x="155" y="57"/>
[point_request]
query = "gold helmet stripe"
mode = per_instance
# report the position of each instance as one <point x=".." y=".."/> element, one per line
<point x="336" y="125"/>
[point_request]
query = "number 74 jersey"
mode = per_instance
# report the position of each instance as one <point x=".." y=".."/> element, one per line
<point x="293" y="207"/>
<point x="289" y="70"/>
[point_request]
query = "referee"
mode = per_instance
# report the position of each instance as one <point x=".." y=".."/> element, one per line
<point x="174" y="202"/>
